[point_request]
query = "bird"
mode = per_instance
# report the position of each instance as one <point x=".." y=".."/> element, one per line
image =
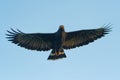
<point x="57" y="41"/>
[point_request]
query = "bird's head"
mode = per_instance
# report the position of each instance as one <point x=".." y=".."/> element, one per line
<point x="61" y="27"/>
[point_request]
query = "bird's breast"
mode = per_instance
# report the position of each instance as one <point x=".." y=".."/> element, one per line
<point x="59" y="38"/>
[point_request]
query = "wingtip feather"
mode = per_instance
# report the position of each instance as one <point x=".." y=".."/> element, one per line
<point x="107" y="28"/>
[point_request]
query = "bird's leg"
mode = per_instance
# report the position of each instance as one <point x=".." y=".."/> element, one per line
<point x="57" y="53"/>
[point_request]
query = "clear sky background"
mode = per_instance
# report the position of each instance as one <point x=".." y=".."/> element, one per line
<point x="99" y="60"/>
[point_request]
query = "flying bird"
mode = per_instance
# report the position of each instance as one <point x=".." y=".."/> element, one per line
<point x="57" y="41"/>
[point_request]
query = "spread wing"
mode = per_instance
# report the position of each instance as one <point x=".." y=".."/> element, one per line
<point x="83" y="37"/>
<point x="35" y="41"/>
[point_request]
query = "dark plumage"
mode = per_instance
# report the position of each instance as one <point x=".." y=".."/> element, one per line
<point x="57" y="41"/>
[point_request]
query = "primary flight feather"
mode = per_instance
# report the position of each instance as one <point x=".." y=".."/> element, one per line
<point x="57" y="41"/>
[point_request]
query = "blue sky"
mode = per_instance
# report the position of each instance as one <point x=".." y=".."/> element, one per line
<point x="97" y="61"/>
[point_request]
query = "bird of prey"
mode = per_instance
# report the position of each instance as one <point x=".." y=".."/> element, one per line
<point x="57" y="41"/>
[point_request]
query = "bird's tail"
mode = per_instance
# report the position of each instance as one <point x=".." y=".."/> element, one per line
<point x="56" y="55"/>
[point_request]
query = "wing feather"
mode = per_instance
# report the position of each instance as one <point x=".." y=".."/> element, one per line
<point x="35" y="41"/>
<point x="84" y="37"/>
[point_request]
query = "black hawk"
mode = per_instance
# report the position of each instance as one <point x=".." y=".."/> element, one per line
<point x="57" y="41"/>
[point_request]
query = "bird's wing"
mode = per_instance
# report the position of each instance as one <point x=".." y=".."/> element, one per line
<point x="35" y="41"/>
<point x="83" y="37"/>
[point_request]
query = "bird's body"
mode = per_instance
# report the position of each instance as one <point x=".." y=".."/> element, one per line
<point x="57" y="41"/>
